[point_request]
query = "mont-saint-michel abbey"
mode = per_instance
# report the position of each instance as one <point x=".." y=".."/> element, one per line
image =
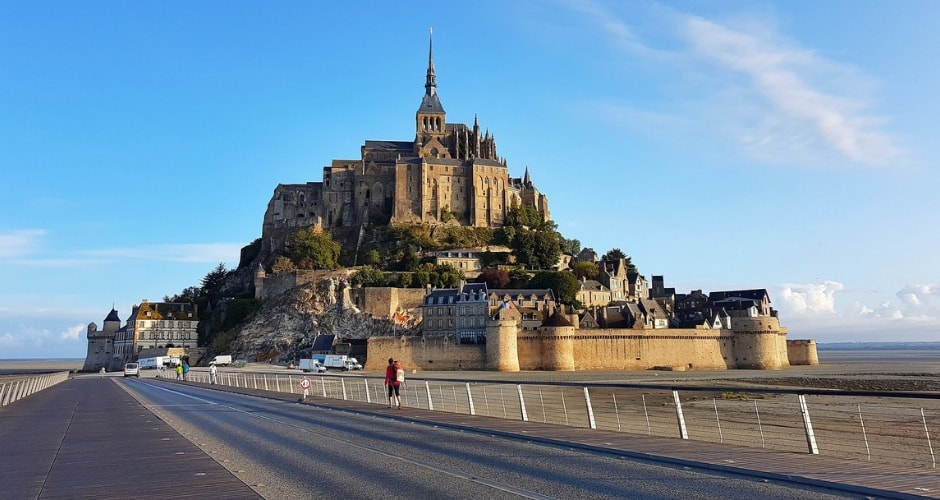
<point x="448" y="167"/>
<point x="450" y="174"/>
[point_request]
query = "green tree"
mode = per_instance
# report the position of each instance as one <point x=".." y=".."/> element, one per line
<point x="537" y="249"/>
<point x="373" y="258"/>
<point x="212" y="283"/>
<point x="571" y="247"/>
<point x="313" y="248"/>
<point x="188" y="295"/>
<point x="421" y="279"/>
<point x="369" y="276"/>
<point x="616" y="253"/>
<point x="563" y="284"/>
<point x="409" y="260"/>
<point x="404" y="280"/>
<point x="585" y="270"/>
<point x="283" y="265"/>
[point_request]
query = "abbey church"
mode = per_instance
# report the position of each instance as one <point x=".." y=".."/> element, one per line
<point x="449" y="172"/>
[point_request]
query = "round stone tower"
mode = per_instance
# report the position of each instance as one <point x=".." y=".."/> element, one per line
<point x="557" y="335"/>
<point x="756" y="345"/>
<point x="502" y="353"/>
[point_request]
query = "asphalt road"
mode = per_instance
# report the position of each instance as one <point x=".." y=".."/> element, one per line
<point x="288" y="450"/>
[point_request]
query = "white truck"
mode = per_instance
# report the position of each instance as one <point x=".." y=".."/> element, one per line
<point x="223" y="360"/>
<point x="153" y="363"/>
<point x="312" y="365"/>
<point x="341" y="361"/>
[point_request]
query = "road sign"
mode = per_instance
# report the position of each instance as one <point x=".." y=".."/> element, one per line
<point x="305" y="383"/>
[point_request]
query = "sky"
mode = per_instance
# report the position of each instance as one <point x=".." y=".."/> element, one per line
<point x="785" y="145"/>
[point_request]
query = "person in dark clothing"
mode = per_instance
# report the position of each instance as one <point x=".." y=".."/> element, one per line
<point x="391" y="381"/>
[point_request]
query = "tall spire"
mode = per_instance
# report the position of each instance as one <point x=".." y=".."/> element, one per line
<point x="431" y="83"/>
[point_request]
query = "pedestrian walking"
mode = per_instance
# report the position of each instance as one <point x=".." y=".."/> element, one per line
<point x="179" y="372"/>
<point x="185" y="371"/>
<point x="391" y="381"/>
<point x="212" y="373"/>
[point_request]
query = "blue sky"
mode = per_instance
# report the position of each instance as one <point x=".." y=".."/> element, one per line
<point x="726" y="144"/>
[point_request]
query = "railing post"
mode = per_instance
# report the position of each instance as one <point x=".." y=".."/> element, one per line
<point x="683" y="433"/>
<point x="342" y="382"/>
<point x="323" y="387"/>
<point x="933" y="458"/>
<point x="365" y="382"/>
<point x="525" y="416"/>
<point x="590" y="409"/>
<point x="427" y="387"/>
<point x="808" y="425"/>
<point x="470" y="400"/>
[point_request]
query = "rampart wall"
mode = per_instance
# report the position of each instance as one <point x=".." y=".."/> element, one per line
<point x="565" y="348"/>
<point x="802" y="352"/>
<point x="425" y="354"/>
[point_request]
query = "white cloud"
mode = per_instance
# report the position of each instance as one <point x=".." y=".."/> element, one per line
<point x="20" y="243"/>
<point x="790" y="79"/>
<point x="776" y="100"/>
<point x="921" y="301"/>
<point x="74" y="332"/>
<point x="211" y="253"/>
<point x="811" y="299"/>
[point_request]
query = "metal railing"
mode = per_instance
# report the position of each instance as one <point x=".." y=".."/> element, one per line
<point x="15" y="388"/>
<point x="891" y="427"/>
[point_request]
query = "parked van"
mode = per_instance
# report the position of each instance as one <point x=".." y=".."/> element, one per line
<point x="132" y="370"/>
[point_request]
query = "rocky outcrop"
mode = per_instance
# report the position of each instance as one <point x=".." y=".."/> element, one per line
<point x="286" y="326"/>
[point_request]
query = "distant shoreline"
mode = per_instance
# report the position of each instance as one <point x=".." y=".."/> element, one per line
<point x="39" y="365"/>
<point x="878" y="346"/>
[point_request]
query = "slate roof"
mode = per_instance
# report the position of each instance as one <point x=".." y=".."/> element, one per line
<point x="323" y="342"/>
<point x="113" y="316"/>
<point x="755" y="294"/>
<point x="405" y="146"/>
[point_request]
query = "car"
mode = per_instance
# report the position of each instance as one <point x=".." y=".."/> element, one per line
<point x="132" y="370"/>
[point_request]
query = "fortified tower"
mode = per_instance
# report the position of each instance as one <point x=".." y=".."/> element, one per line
<point x="557" y="335"/>
<point x="101" y="343"/>
<point x="759" y="343"/>
<point x="502" y="353"/>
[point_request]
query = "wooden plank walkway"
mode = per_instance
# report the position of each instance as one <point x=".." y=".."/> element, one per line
<point x="87" y="437"/>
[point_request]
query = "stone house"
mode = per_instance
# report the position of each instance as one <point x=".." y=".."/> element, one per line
<point x="157" y="325"/>
<point x="593" y="293"/>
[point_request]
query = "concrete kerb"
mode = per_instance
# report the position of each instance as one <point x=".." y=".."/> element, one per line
<point x="347" y="406"/>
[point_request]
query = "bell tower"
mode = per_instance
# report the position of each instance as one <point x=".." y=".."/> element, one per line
<point x="430" y="120"/>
